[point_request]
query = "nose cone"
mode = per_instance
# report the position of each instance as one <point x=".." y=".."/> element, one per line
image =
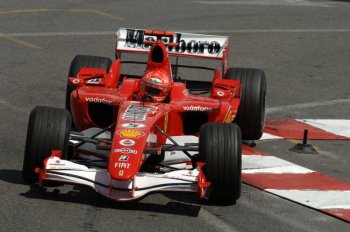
<point x="126" y="154"/>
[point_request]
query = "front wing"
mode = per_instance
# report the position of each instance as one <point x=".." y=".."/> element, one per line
<point x="59" y="170"/>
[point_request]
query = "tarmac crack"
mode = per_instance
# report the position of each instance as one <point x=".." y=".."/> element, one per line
<point x="214" y="221"/>
<point x="90" y="219"/>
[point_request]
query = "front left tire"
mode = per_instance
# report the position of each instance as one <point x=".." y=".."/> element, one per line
<point x="48" y="129"/>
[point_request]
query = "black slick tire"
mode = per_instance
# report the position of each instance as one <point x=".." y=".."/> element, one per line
<point x="48" y="129"/>
<point x="251" y="112"/>
<point x="220" y="149"/>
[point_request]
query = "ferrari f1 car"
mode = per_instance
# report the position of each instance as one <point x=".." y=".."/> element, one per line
<point x="126" y="135"/>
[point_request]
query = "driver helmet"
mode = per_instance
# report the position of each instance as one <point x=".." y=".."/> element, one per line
<point x="156" y="84"/>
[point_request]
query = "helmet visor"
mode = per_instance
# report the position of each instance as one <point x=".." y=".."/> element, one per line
<point x="151" y="90"/>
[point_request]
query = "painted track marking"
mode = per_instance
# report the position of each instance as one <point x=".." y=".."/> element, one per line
<point x="306" y="105"/>
<point x="15" y="108"/>
<point x="22" y="11"/>
<point x="10" y="36"/>
<point x="265" y="3"/>
<point x="20" y="42"/>
<point x="26" y="11"/>
<point x="97" y="33"/>
<point x="311" y="30"/>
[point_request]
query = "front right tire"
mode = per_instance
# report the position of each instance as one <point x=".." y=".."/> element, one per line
<point x="85" y="61"/>
<point x="220" y="150"/>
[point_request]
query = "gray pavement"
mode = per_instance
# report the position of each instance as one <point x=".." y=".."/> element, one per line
<point x="303" y="46"/>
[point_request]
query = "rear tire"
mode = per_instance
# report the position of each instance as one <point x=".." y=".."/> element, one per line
<point x="220" y="149"/>
<point x="85" y="61"/>
<point x="48" y="129"/>
<point x="251" y="112"/>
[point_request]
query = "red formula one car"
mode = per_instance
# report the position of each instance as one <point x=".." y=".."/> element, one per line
<point x="156" y="132"/>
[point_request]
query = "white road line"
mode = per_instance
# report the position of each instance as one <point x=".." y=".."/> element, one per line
<point x="21" y="42"/>
<point x="71" y="10"/>
<point x="339" y="30"/>
<point x="306" y="105"/>
<point x="48" y="34"/>
<point x="97" y="33"/>
<point x="15" y="108"/>
<point x="265" y="3"/>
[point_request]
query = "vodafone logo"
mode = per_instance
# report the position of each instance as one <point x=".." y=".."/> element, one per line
<point x="127" y="142"/>
<point x="198" y="108"/>
<point x="98" y="100"/>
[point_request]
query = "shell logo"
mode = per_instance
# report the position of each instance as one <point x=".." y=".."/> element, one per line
<point x="229" y="117"/>
<point x="166" y="121"/>
<point x="129" y="133"/>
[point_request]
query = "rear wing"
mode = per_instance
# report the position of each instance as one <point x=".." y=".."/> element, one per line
<point x="188" y="44"/>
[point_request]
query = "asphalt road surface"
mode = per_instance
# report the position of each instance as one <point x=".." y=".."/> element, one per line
<point x="303" y="46"/>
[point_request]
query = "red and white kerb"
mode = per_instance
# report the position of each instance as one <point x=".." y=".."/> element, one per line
<point x="295" y="182"/>
<point x="320" y="129"/>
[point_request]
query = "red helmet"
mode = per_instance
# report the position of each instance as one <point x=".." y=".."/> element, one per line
<point x="156" y="84"/>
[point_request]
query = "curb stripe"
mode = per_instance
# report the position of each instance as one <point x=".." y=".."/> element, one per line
<point x="296" y="183"/>
<point x="270" y="164"/>
<point x="308" y="181"/>
<point x="343" y="214"/>
<point x="338" y="126"/>
<point x="267" y="136"/>
<point x="251" y="151"/>
<point x="323" y="200"/>
<point x="294" y="129"/>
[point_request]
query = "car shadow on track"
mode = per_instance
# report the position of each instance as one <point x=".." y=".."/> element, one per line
<point x="85" y="195"/>
<point x="11" y="176"/>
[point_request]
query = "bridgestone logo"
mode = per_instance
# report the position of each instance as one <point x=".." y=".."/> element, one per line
<point x="197" y="108"/>
<point x="98" y="100"/>
<point x="126" y="150"/>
